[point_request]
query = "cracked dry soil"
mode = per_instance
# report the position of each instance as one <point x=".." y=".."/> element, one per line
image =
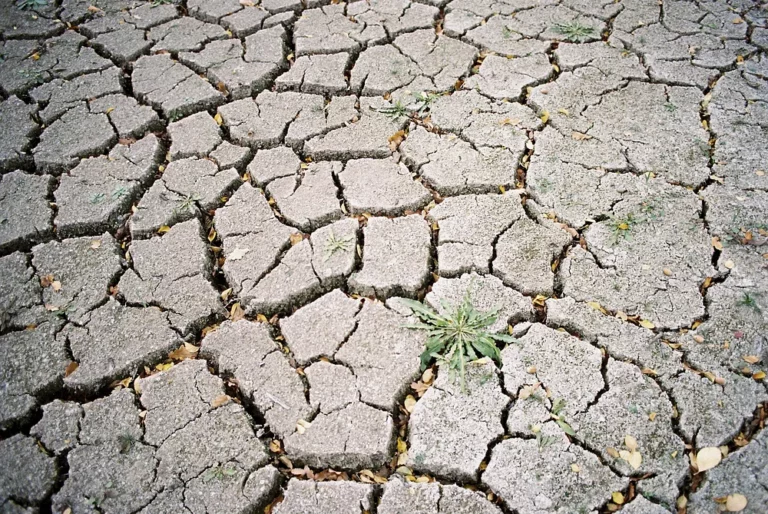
<point x="209" y="210"/>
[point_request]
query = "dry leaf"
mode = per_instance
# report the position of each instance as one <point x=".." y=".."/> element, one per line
<point x="630" y="442"/>
<point x="598" y="307"/>
<point x="163" y="229"/>
<point x="218" y="119"/>
<point x="708" y="458"/>
<point x="575" y="468"/>
<point x="46" y="280"/>
<point x="428" y="376"/>
<point x="56" y="286"/>
<point x="183" y="352"/>
<point x="578" y="136"/>
<point x="698" y="338"/>
<point x="410" y="403"/>
<point x="716" y="244"/>
<point x="667" y="272"/>
<point x="236" y="313"/>
<point x="95" y="244"/>
<point x="237" y="254"/>
<point x="617" y="497"/>
<point x="759" y="375"/>
<point x="735" y="502"/>
<point x="71" y="368"/>
<point x="395" y="139"/>
<point x="647" y="324"/>
<point x="275" y="446"/>
<point x="225" y="294"/>
<point x="612" y="452"/>
<point x="652" y="416"/>
<point x="544" y="117"/>
<point x="633" y="458"/>
<point x="296" y="238"/>
<point x="220" y="400"/>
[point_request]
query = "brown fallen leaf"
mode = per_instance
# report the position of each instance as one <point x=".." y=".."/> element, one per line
<point x="71" y="368"/>
<point x="220" y="400"/>
<point x="296" y="238"/>
<point x="183" y="352"/>
<point x="46" y="280"/>
<point x="236" y="313"/>
<point x="395" y="139"/>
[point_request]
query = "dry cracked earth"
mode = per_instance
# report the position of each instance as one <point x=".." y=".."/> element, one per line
<point x="210" y="209"/>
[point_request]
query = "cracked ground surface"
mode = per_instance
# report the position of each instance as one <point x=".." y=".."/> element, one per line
<point x="211" y="209"/>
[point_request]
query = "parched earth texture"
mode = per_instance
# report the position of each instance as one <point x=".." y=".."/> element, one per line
<point x="210" y="210"/>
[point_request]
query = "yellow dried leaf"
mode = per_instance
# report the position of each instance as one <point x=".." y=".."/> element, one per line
<point x="612" y="452"/>
<point x="647" y="324"/>
<point x="667" y="272"/>
<point x="575" y="468"/>
<point x="236" y="312"/>
<point x="540" y="300"/>
<point x="564" y="112"/>
<point x="729" y="264"/>
<point x="56" y="286"/>
<point x="759" y="375"/>
<point x="633" y="458"/>
<point x="735" y="502"/>
<point x="296" y="238"/>
<point x="218" y="119"/>
<point x="275" y="446"/>
<point x="708" y="458"/>
<point x="617" y="497"/>
<point x="410" y="403"/>
<point x="737" y="21"/>
<point x="225" y="294"/>
<point x="95" y="244"/>
<point x="428" y="376"/>
<point x="630" y="442"/>
<point x="163" y="229"/>
<point x="716" y="244"/>
<point x="164" y="367"/>
<point x="751" y="359"/>
<point x="509" y="121"/>
<point x="652" y="416"/>
<point x="220" y="400"/>
<point x="401" y="446"/>
<point x="544" y="116"/>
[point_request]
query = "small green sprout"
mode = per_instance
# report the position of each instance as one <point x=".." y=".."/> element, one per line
<point x="574" y="31"/>
<point x="335" y="244"/>
<point x="457" y="336"/>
